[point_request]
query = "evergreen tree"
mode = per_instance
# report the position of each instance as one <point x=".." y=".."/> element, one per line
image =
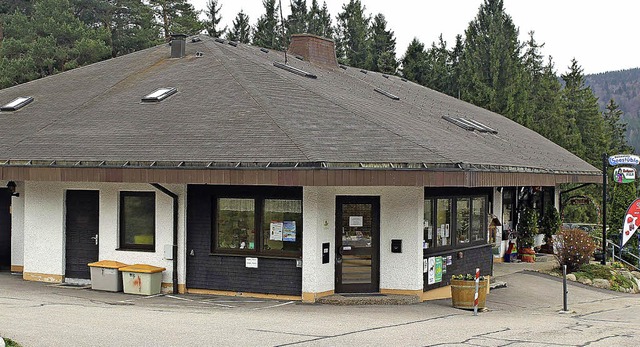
<point x="382" y="48"/>
<point x="491" y="65"/>
<point x="213" y="19"/>
<point x="438" y="67"/>
<point x="176" y="16"/>
<point x="413" y="62"/>
<point x="267" y="32"/>
<point x="616" y="129"/>
<point x="456" y="70"/>
<point x="352" y="40"/>
<point x="581" y="106"/>
<point x="241" y="30"/>
<point x="319" y="21"/>
<point x="50" y="40"/>
<point x="297" y="21"/>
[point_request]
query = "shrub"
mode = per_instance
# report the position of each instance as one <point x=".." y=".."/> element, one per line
<point x="551" y="222"/>
<point x="575" y="248"/>
<point x="527" y="227"/>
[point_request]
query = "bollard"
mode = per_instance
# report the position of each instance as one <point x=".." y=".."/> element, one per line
<point x="475" y="298"/>
<point x="564" y="288"/>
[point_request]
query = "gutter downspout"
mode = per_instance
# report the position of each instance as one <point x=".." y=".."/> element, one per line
<point x="175" y="233"/>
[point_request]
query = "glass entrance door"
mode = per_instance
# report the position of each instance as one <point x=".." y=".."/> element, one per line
<point x="357" y="244"/>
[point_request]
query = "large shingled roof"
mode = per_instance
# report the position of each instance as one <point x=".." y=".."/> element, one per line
<point x="234" y="106"/>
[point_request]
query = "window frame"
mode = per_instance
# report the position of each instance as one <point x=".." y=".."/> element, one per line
<point x="454" y="197"/>
<point x="122" y="222"/>
<point x="259" y="195"/>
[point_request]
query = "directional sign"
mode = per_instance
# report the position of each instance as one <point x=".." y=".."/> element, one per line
<point x="631" y="221"/>
<point x="624" y="174"/>
<point x="624" y="159"/>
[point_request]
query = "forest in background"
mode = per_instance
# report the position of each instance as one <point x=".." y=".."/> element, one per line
<point x="487" y="65"/>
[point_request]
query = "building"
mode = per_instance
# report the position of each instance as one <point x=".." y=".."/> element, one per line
<point x="240" y="171"/>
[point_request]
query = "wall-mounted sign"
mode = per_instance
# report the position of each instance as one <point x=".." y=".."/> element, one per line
<point x="438" y="270"/>
<point x="624" y="159"/>
<point x="431" y="276"/>
<point x="251" y="263"/>
<point x="624" y="174"/>
<point x="631" y="221"/>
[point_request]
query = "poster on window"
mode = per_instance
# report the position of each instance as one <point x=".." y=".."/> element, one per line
<point x="275" y="231"/>
<point x="425" y="265"/>
<point x="431" y="278"/>
<point x="356" y="221"/>
<point x="438" y="270"/>
<point x="289" y="231"/>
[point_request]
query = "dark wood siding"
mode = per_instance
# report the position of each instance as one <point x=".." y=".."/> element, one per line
<point x="5" y="229"/>
<point x="472" y="258"/>
<point x="228" y="272"/>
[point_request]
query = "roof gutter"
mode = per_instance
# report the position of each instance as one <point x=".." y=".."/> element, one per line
<point x="174" y="253"/>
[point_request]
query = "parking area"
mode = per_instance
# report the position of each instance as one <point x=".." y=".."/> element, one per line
<point x="525" y="313"/>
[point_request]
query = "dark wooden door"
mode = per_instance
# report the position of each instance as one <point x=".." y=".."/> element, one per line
<point x="81" y="232"/>
<point x="357" y="244"/>
<point x="5" y="229"/>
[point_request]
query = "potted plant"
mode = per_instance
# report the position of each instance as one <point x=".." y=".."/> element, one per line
<point x="527" y="228"/>
<point x="550" y="225"/>
<point x="463" y="289"/>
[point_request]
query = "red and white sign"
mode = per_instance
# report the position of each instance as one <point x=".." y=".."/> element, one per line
<point x="631" y="221"/>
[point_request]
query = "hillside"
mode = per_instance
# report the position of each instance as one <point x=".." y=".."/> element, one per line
<point x="624" y="88"/>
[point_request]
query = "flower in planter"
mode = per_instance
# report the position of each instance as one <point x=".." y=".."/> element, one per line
<point x="466" y="277"/>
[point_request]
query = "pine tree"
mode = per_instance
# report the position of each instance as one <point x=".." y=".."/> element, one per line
<point x="616" y="129"/>
<point x="213" y="19"/>
<point x="267" y="32"/>
<point x="297" y="21"/>
<point x="352" y="40"/>
<point x="382" y="47"/>
<point x="241" y="30"/>
<point x="413" y="62"/>
<point x="132" y="27"/>
<point x="491" y="65"/>
<point x="455" y="56"/>
<point x="319" y="21"/>
<point x="438" y="67"/>
<point x="581" y="106"/>
<point x="176" y="16"/>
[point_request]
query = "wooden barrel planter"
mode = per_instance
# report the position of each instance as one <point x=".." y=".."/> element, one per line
<point x="463" y="293"/>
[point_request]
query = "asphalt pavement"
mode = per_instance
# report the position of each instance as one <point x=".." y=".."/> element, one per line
<point x="527" y="312"/>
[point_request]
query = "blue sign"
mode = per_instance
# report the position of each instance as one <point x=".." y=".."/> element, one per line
<point x="624" y="159"/>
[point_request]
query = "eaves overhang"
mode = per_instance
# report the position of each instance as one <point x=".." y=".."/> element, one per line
<point x="291" y="173"/>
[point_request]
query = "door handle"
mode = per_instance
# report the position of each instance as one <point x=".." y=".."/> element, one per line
<point x="95" y="238"/>
<point x="339" y="254"/>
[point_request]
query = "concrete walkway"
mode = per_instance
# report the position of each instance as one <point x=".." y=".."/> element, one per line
<point x="525" y="313"/>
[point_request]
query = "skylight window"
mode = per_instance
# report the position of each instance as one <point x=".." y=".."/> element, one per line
<point x="469" y="124"/>
<point x="17" y="103"/>
<point x="160" y="94"/>
<point x="294" y="70"/>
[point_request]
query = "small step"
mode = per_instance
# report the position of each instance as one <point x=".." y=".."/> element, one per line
<point x="369" y="299"/>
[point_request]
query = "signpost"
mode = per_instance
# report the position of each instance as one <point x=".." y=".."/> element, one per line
<point x="632" y="217"/>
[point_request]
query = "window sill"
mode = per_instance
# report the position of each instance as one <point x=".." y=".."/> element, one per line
<point x="257" y="255"/>
<point x="136" y="250"/>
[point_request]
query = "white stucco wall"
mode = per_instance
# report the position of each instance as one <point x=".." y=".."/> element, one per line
<point x="401" y="217"/>
<point x="44" y="230"/>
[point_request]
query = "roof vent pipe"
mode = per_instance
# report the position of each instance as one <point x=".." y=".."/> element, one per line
<point x="178" y="42"/>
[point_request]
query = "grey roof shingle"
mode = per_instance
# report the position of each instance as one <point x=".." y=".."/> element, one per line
<point x="233" y="105"/>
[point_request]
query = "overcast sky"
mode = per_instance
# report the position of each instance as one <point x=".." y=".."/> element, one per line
<point x="601" y="35"/>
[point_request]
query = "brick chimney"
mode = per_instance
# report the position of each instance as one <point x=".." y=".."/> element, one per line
<point x="314" y="49"/>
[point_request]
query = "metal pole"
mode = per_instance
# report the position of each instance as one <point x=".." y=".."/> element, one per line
<point x="604" y="207"/>
<point x="564" y="288"/>
<point x="475" y="299"/>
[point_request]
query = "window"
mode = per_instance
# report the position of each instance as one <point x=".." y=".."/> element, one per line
<point x="17" y="103"/>
<point x="459" y="221"/>
<point x="160" y="94"/>
<point x="236" y="224"/>
<point x="258" y="224"/>
<point x="137" y="220"/>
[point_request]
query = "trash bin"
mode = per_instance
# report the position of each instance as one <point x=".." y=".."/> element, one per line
<point x="105" y="275"/>
<point x="142" y="279"/>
